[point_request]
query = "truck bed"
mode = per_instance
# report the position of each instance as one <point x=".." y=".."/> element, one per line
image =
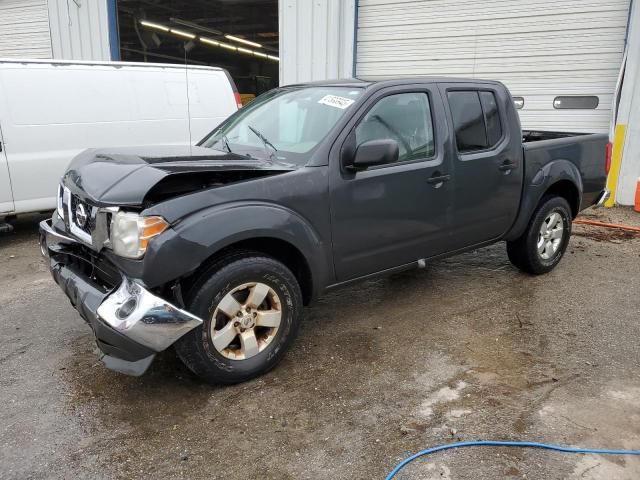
<point x="585" y="151"/>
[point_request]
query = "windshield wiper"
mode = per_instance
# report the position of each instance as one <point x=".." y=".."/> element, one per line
<point x="225" y="143"/>
<point x="265" y="141"/>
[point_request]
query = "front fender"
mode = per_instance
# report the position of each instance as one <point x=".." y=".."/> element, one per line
<point x="182" y="249"/>
<point x="537" y="184"/>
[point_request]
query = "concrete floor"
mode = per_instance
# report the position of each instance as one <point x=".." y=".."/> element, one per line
<point x="468" y="348"/>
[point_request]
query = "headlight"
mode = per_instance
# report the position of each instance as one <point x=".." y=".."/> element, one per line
<point x="130" y="233"/>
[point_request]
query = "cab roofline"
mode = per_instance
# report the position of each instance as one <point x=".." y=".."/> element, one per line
<point x="361" y="83"/>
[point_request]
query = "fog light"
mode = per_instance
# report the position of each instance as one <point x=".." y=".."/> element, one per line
<point x="127" y="308"/>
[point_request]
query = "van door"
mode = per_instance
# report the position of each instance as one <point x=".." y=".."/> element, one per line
<point x="6" y="195"/>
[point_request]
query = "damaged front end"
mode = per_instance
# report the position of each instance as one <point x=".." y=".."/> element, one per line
<point x="130" y="323"/>
<point x="97" y="239"/>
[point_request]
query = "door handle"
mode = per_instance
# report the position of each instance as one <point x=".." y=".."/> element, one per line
<point x="437" y="180"/>
<point x="506" y="166"/>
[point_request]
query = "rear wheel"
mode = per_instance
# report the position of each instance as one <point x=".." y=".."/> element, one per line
<point x="251" y="306"/>
<point x="543" y="244"/>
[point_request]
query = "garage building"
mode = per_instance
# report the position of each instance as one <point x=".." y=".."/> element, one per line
<point x="571" y="66"/>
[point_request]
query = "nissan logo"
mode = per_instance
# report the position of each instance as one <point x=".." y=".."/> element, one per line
<point x="81" y="215"/>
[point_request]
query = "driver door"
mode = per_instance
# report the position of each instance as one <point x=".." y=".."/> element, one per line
<point x="394" y="214"/>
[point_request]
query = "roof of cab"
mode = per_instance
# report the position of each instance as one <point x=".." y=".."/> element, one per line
<point x="356" y="82"/>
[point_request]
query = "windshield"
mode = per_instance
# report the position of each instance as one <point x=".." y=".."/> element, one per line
<point x="283" y="124"/>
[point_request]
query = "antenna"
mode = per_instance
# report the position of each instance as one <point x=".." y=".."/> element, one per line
<point x="187" y="47"/>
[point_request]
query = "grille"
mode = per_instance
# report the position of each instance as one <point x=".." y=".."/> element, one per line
<point x="90" y="224"/>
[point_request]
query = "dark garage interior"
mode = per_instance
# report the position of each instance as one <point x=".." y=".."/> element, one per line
<point x="238" y="35"/>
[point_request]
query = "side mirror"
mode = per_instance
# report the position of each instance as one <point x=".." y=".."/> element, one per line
<point x="374" y="152"/>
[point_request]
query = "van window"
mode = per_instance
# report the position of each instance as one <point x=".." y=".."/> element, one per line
<point x="468" y="121"/>
<point x="403" y="117"/>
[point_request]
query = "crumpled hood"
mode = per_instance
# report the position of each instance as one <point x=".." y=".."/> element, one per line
<point x="124" y="176"/>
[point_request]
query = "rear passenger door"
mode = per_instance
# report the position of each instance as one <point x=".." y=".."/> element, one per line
<point x="487" y="162"/>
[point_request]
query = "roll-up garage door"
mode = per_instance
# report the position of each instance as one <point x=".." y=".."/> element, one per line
<point x="561" y="60"/>
<point x="24" y="29"/>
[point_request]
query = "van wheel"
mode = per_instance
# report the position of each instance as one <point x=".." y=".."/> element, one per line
<point x="543" y="244"/>
<point x="251" y="306"/>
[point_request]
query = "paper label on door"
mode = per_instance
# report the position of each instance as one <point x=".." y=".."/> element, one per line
<point x="336" y="101"/>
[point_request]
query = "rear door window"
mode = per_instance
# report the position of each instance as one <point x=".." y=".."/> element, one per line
<point x="468" y="121"/>
<point x="476" y="119"/>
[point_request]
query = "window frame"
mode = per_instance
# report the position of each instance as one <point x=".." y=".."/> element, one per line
<point x="501" y="114"/>
<point x="375" y="101"/>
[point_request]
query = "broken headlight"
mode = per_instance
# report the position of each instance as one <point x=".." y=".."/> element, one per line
<point x="131" y="233"/>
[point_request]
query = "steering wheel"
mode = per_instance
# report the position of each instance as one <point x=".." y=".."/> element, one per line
<point x="404" y="142"/>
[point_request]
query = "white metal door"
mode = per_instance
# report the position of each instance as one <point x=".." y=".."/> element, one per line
<point x="24" y="29"/>
<point x="540" y="49"/>
<point x="6" y="195"/>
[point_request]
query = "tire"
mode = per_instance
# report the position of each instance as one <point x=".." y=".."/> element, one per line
<point x="212" y="295"/>
<point x="524" y="252"/>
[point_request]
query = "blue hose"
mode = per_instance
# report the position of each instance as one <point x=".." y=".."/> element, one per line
<point x="496" y="443"/>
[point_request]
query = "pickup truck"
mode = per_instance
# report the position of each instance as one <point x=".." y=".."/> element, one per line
<point x="216" y="248"/>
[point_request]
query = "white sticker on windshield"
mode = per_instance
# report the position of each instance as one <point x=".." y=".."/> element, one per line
<point x="336" y="101"/>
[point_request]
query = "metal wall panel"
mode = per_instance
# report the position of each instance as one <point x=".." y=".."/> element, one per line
<point x="79" y="29"/>
<point x="539" y="49"/>
<point x="629" y="115"/>
<point x="316" y="39"/>
<point x="24" y="29"/>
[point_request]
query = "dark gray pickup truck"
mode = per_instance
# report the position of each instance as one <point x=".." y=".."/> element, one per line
<point x="216" y="248"/>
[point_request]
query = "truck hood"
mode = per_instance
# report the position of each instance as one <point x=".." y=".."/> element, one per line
<point x="142" y="176"/>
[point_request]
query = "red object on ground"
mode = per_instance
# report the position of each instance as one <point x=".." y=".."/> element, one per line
<point x="628" y="228"/>
<point x="636" y="206"/>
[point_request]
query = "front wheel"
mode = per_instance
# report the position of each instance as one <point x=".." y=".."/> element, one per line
<point x="251" y="306"/>
<point x="543" y="244"/>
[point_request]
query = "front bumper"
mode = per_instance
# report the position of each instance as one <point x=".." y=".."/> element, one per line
<point x="130" y="323"/>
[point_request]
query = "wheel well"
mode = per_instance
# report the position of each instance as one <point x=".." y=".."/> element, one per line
<point x="567" y="190"/>
<point x="279" y="249"/>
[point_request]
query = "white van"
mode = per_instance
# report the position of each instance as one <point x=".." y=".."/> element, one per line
<point x="52" y="110"/>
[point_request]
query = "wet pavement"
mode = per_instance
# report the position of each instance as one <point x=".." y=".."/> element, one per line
<point x="468" y="348"/>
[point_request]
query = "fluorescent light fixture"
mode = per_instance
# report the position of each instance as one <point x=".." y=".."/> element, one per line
<point x="154" y="25"/>
<point x="242" y="40"/>
<point x="182" y="33"/>
<point x="245" y="50"/>
<point x="271" y="57"/>
<point x="209" y="41"/>
<point x="195" y="26"/>
<point x="227" y="46"/>
<point x="260" y="54"/>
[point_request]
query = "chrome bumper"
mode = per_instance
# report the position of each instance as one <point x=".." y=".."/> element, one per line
<point x="604" y="196"/>
<point x="145" y="318"/>
<point x="130" y="323"/>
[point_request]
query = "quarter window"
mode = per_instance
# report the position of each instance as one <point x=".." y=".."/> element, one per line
<point x="491" y="117"/>
<point x="476" y="119"/>
<point x="405" y="118"/>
